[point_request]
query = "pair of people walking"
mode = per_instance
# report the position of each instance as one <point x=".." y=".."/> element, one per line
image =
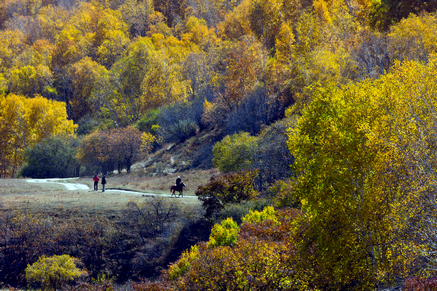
<point x="96" y="180"/>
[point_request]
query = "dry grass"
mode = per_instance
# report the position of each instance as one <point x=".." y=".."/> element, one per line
<point x="53" y="199"/>
<point x="159" y="184"/>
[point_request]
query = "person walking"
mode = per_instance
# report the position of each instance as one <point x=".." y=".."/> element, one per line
<point x="96" y="182"/>
<point x="103" y="183"/>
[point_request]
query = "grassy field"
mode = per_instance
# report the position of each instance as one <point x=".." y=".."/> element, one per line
<point x="54" y="199"/>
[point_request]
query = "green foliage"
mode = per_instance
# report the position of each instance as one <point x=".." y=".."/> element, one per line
<point x="283" y="194"/>
<point x="234" y="153"/>
<point x="149" y="123"/>
<point x="224" y="234"/>
<point x="52" y="272"/>
<point x="52" y="158"/>
<point x="225" y="189"/>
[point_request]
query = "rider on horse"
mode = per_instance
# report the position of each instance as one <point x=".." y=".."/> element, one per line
<point x="178" y="187"/>
<point x="178" y="183"/>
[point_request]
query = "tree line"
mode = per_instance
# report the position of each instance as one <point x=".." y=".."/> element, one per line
<point x="176" y="68"/>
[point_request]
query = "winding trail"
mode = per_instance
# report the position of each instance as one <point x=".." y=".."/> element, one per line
<point x="78" y="186"/>
<point x="69" y="186"/>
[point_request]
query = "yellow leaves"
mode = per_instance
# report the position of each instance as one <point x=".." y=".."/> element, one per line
<point x="285" y="43"/>
<point x="147" y="142"/>
<point x="268" y="213"/>
<point x="414" y="37"/>
<point x="198" y="32"/>
<point x="236" y="23"/>
<point x="365" y="155"/>
<point x="224" y="234"/>
<point x="113" y="47"/>
<point x="321" y="8"/>
<point x="24" y="122"/>
<point x="52" y="272"/>
<point x="183" y="265"/>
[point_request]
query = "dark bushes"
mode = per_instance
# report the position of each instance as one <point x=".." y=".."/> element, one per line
<point x="226" y="189"/>
<point x="181" y="121"/>
<point x="134" y="247"/>
<point x="53" y="157"/>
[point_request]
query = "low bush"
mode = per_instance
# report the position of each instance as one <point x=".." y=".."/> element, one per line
<point x="420" y="284"/>
<point x="224" y="234"/>
<point x="226" y="189"/>
<point x="52" y="272"/>
<point x="238" y="210"/>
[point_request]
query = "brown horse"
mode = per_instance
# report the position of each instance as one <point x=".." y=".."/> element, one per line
<point x="180" y="189"/>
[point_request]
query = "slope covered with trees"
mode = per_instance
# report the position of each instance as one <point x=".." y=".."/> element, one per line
<point x="342" y="90"/>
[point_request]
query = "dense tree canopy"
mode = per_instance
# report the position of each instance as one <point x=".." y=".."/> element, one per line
<point x="349" y="83"/>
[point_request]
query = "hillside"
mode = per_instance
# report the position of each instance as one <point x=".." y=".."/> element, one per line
<point x="306" y="129"/>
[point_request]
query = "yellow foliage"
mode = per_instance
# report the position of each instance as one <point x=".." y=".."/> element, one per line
<point x="224" y="234"/>
<point x="147" y="142"/>
<point x="366" y="155"/>
<point x="414" y="38"/>
<point x="52" y="272"/>
<point x="183" y="265"/>
<point x="268" y="213"/>
<point x="26" y="121"/>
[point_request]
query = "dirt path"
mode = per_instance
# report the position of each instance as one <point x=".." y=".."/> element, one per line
<point x="68" y="186"/>
<point x="77" y="186"/>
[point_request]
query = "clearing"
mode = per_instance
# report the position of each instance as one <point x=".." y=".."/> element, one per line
<point x="75" y="197"/>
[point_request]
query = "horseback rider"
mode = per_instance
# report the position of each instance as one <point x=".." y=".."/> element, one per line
<point x="178" y="183"/>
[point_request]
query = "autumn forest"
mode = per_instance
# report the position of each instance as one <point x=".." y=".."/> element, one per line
<point x="319" y="114"/>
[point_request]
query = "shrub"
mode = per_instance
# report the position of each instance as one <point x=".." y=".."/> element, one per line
<point x="234" y="153"/>
<point x="283" y="194"/>
<point x="180" y="121"/>
<point x="226" y="189"/>
<point x="260" y="259"/>
<point x="224" y="234"/>
<point x="272" y="157"/>
<point x="238" y="210"/>
<point x="254" y="112"/>
<point x="86" y="125"/>
<point x="158" y="285"/>
<point x="149" y="123"/>
<point x="268" y="213"/>
<point x="52" y="272"/>
<point x="183" y="264"/>
<point x="420" y="284"/>
<point x="53" y="157"/>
